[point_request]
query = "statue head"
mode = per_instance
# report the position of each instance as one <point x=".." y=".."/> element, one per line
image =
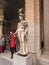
<point x="21" y="17"/>
<point x="21" y="11"/>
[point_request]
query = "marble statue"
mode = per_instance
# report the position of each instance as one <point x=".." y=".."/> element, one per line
<point x="22" y="32"/>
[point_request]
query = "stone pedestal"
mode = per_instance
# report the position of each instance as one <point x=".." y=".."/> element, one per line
<point x="22" y="60"/>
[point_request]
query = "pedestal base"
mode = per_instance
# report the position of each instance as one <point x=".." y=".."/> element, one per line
<point x="21" y="60"/>
<point x="22" y="53"/>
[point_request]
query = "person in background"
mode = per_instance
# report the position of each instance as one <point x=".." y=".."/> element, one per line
<point x="1" y="44"/>
<point x="12" y="43"/>
<point x="6" y="41"/>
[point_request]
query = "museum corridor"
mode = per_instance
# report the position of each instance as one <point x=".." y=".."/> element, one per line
<point x="36" y="14"/>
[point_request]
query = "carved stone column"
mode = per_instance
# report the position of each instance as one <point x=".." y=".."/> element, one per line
<point x="37" y="26"/>
<point x="29" y="17"/>
<point x="32" y="16"/>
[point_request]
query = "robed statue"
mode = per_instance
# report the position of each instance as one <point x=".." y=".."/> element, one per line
<point x="22" y="32"/>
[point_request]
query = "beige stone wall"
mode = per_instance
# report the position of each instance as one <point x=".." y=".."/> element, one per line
<point x="29" y="17"/>
<point x="29" y="10"/>
<point x="46" y="25"/>
<point x="32" y="16"/>
<point x="37" y="25"/>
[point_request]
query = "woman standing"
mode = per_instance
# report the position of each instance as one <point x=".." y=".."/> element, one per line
<point x="12" y="43"/>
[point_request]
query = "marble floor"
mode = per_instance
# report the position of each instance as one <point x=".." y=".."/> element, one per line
<point x="5" y="58"/>
<point x="6" y="55"/>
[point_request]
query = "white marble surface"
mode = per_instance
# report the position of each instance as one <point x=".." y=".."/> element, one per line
<point x="5" y="58"/>
<point x="4" y="61"/>
<point x="21" y="60"/>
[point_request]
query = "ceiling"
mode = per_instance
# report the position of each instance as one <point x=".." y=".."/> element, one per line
<point x="11" y="11"/>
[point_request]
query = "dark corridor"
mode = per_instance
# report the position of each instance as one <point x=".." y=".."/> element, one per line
<point x="11" y="15"/>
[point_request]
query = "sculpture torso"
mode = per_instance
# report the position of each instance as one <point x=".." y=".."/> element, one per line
<point x="22" y="26"/>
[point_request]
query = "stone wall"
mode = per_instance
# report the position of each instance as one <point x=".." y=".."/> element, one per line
<point x="46" y="25"/>
<point x="37" y="25"/>
<point x="29" y="17"/>
<point x="32" y="16"/>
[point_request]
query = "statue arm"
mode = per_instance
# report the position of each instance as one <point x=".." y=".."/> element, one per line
<point x="26" y="30"/>
<point x="16" y="31"/>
